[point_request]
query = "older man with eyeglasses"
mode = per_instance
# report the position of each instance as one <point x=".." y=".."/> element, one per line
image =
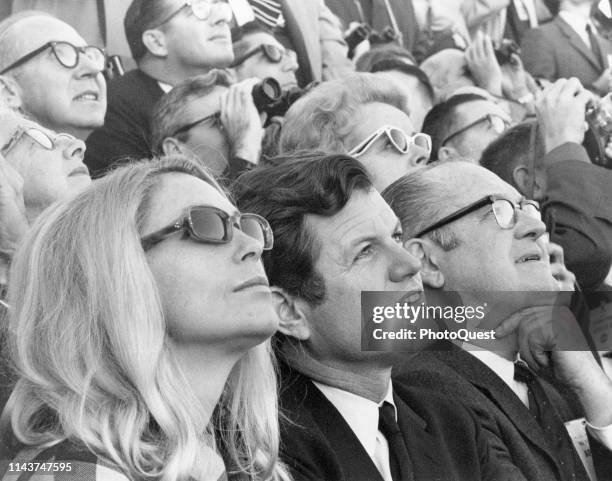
<point x="476" y="234"/>
<point x="49" y="73"/>
<point x="364" y="116"/>
<point x="171" y="41"/>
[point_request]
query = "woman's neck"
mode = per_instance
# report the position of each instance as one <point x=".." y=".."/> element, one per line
<point x="206" y="371"/>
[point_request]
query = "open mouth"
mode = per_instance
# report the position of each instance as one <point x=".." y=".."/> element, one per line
<point x="87" y="97"/>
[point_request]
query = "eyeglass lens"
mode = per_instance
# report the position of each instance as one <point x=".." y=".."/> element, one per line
<point x="273" y="53"/>
<point x="211" y="225"/>
<point x="68" y="55"/>
<point x="40" y="138"/>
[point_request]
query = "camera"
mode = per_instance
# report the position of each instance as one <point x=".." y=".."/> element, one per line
<point x="504" y="51"/>
<point x="599" y="118"/>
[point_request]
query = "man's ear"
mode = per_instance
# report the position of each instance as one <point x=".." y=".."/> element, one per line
<point x="529" y="185"/>
<point x="10" y="92"/>
<point x="446" y="153"/>
<point x="292" y="313"/>
<point x="155" y="41"/>
<point x="424" y="250"/>
<point x="172" y="146"/>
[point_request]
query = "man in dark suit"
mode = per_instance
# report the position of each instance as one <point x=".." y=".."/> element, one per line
<point x="497" y="245"/>
<point x="334" y="238"/>
<point x="170" y="41"/>
<point x="570" y="46"/>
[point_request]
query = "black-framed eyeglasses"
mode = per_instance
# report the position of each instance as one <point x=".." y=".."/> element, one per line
<point x="66" y="54"/>
<point x="40" y="138"/>
<point x="201" y="9"/>
<point x="398" y="138"/>
<point x="273" y="53"/>
<point x="211" y="225"/>
<point x="504" y="210"/>
<point x="216" y="118"/>
<point x="497" y="123"/>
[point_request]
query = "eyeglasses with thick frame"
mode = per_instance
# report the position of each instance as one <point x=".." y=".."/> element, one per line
<point x="40" y="138"/>
<point x="216" y="117"/>
<point x="273" y="53"/>
<point x="499" y="125"/>
<point x="66" y="54"/>
<point x="218" y="229"/>
<point x="201" y="9"/>
<point x="398" y="138"/>
<point x="504" y="210"/>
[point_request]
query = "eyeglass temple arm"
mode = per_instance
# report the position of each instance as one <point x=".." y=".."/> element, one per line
<point x="25" y="58"/>
<point x="156" y="237"/>
<point x="455" y="215"/>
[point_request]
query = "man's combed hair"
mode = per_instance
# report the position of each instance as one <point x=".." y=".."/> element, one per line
<point x="323" y="118"/>
<point x="142" y="15"/>
<point x="285" y="192"/>
<point x="167" y="116"/>
<point x="511" y="149"/>
<point x="413" y="200"/>
<point x="440" y="119"/>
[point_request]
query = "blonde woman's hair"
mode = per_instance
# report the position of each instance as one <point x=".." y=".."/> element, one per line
<point x="88" y="338"/>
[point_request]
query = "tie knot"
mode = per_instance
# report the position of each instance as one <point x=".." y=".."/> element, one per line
<point x="386" y="420"/>
<point x="522" y="373"/>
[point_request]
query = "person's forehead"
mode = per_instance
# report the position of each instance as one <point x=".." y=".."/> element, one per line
<point x="371" y="116"/>
<point x="207" y="104"/>
<point x="470" y="111"/>
<point x="465" y="183"/>
<point x="9" y="124"/>
<point x="33" y="32"/>
<point x="176" y="192"/>
<point x="365" y="214"/>
<point x="256" y="39"/>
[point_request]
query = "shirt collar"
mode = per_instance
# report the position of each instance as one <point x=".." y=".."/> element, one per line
<point x="577" y="22"/>
<point x="360" y="413"/>
<point x="164" y="86"/>
<point x="498" y="364"/>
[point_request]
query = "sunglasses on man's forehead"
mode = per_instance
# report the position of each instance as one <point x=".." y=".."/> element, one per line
<point x="211" y="225"/>
<point x="273" y="53"/>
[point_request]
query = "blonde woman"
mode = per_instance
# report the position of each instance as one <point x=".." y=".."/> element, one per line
<point x="140" y="314"/>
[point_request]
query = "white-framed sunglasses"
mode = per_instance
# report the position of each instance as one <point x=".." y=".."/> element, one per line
<point x="398" y="138"/>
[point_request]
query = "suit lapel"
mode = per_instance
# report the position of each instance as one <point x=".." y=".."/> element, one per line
<point x="420" y="443"/>
<point x="492" y="386"/>
<point x="576" y="42"/>
<point x="355" y="462"/>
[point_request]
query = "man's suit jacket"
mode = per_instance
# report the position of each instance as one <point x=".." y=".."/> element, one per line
<point x="126" y="130"/>
<point x="317" y="38"/>
<point x="457" y="375"/>
<point x="578" y="212"/>
<point x="555" y="51"/>
<point x="444" y="441"/>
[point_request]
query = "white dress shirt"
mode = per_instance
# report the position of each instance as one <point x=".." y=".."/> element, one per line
<point x="505" y="370"/>
<point x="361" y="415"/>
<point x="579" y="24"/>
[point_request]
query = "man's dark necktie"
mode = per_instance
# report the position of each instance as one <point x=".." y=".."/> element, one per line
<point x="595" y="45"/>
<point x="399" y="459"/>
<point x="546" y="416"/>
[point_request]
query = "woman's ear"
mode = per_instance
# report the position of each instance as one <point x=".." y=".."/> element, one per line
<point x="425" y="251"/>
<point x="172" y="146"/>
<point x="293" y="314"/>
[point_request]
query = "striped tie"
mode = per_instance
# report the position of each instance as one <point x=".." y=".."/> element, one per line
<point x="268" y="12"/>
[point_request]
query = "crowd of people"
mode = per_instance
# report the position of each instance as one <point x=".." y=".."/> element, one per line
<point x="186" y="246"/>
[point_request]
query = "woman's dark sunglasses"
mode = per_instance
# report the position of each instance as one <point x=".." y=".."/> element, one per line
<point x="504" y="210"/>
<point x="66" y="54"/>
<point x="211" y="225"/>
<point x="273" y="53"/>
